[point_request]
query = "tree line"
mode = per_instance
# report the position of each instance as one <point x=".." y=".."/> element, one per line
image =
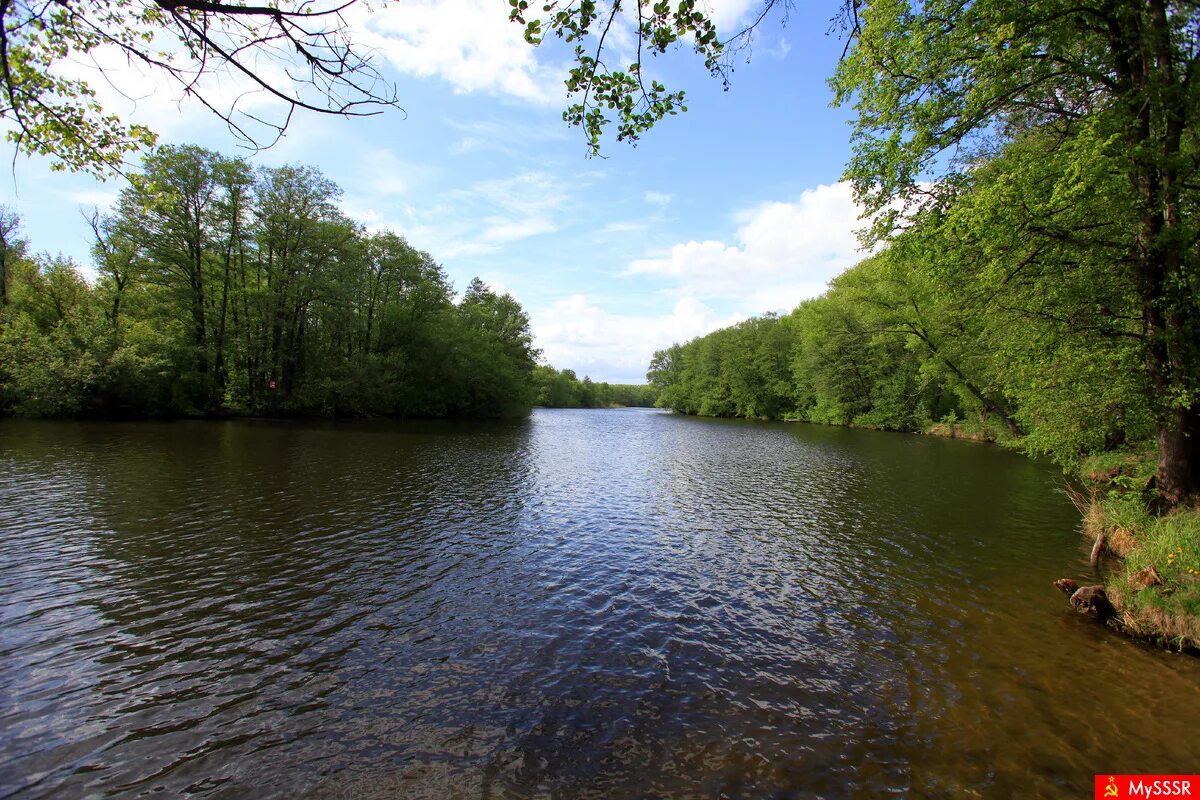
<point x="563" y="389"/>
<point x="224" y="288"/>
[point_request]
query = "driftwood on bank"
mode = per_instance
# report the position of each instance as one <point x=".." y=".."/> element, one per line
<point x="1098" y="547"/>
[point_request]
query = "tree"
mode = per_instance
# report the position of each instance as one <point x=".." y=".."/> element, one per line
<point x="936" y="86"/>
<point x="191" y="42"/>
<point x="54" y="341"/>
<point x="172" y="206"/>
<point x="910" y="294"/>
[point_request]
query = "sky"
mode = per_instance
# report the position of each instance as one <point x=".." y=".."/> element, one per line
<point x="730" y="210"/>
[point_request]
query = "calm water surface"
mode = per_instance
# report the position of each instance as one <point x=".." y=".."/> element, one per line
<point x="604" y="604"/>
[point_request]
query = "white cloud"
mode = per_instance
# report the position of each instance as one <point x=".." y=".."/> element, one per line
<point x="472" y="45"/>
<point x="780" y="51"/>
<point x="474" y="221"/>
<point x="657" y="198"/>
<point x="381" y="174"/>
<point x="528" y="204"/>
<point x="507" y="229"/>
<point x="783" y="252"/>
<point x="576" y="333"/>
<point x="510" y="135"/>
<point x="469" y="43"/>
<point x="726" y="14"/>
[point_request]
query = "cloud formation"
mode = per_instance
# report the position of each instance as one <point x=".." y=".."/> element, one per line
<point x="781" y="253"/>
<point x="471" y="44"/>
<point x="726" y="14"/>
<point x="473" y="221"/>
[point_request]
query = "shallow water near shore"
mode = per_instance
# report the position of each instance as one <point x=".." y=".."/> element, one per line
<point x="608" y="603"/>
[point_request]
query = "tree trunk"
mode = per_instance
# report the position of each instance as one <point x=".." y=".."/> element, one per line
<point x="200" y="331"/>
<point x="116" y="304"/>
<point x="1156" y="97"/>
<point x="1179" y="455"/>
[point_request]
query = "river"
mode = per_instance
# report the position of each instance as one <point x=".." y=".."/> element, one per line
<point x="610" y="603"/>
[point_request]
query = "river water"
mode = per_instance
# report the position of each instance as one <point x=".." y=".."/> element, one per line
<point x="608" y="604"/>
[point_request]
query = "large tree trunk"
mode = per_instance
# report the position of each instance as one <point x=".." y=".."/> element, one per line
<point x="1156" y="96"/>
<point x="1178" y="455"/>
<point x="1172" y="363"/>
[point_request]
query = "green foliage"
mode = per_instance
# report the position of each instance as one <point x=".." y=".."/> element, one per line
<point x="227" y="290"/>
<point x="562" y="389"/>
<point x="57" y="115"/>
<point x="626" y="95"/>
<point x="1074" y="127"/>
<point x="829" y="361"/>
<point x="739" y="371"/>
<point x="1165" y="606"/>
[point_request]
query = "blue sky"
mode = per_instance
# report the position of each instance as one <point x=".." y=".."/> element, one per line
<point x="732" y="209"/>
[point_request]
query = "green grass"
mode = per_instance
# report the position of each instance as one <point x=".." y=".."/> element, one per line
<point x="971" y="429"/>
<point x="1168" y="612"/>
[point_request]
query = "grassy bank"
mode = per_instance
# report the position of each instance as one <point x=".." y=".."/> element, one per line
<point x="1152" y="575"/>
<point x="971" y="431"/>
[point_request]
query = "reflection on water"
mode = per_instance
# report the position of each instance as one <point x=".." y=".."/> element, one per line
<point x="584" y="604"/>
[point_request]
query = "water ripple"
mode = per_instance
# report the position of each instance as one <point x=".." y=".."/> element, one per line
<point x="586" y="604"/>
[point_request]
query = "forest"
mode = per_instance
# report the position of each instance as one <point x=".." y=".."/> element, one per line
<point x="564" y="389"/>
<point x="225" y="289"/>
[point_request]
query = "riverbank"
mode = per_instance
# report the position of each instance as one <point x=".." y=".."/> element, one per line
<point x="969" y="433"/>
<point x="1151" y="568"/>
<point x="966" y="431"/>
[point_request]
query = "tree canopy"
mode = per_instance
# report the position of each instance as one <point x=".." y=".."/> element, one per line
<point x="1072" y="93"/>
<point x="227" y="289"/>
<point x="564" y="389"/>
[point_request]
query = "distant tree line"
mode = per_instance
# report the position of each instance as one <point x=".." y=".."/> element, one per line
<point x="563" y="389"/>
<point x="1009" y="310"/>
<point x="224" y="288"/>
